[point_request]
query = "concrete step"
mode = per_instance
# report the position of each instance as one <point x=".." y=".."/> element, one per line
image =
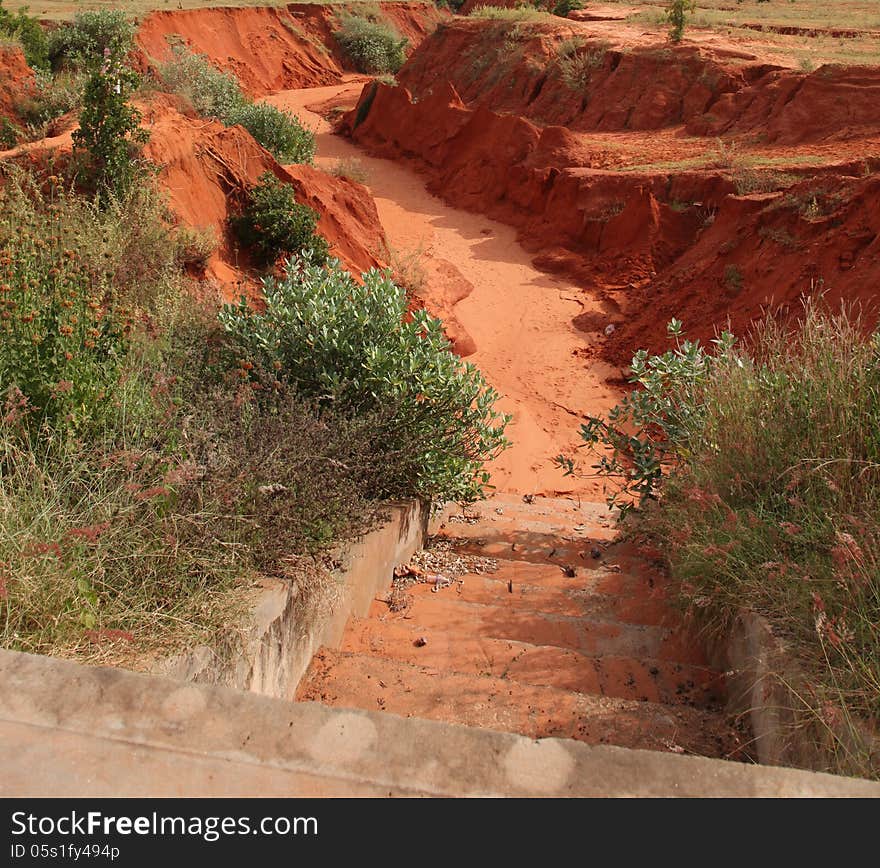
<point x="573" y="596"/>
<point x="437" y="613"/>
<point x="639" y="679"/>
<point x="365" y="681"/>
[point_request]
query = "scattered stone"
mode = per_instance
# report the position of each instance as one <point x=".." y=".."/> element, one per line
<point x="420" y="642"/>
<point x="595" y="553"/>
<point x="610" y="329"/>
<point x="569" y="571"/>
<point x="440" y="557"/>
<point x="499" y="510"/>
<point x="528" y="498"/>
<point x="272" y="490"/>
<point x="509" y="586"/>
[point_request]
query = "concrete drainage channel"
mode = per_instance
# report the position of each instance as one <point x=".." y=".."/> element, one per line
<point x="205" y="730"/>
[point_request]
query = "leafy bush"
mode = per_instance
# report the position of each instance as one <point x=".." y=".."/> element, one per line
<point x="770" y="469"/>
<point x="90" y="37"/>
<point x="653" y="426"/>
<point x="109" y="133"/>
<point x="211" y="92"/>
<point x="354" y="347"/>
<point x="27" y="31"/>
<point x="277" y="131"/>
<point x="373" y="46"/>
<point x="217" y="94"/>
<point x="273" y="224"/>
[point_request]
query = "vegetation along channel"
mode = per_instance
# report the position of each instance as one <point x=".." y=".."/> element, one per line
<point x="595" y="283"/>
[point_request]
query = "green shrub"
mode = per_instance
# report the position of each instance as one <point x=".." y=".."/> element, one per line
<point x="90" y="37"/>
<point x="216" y="94"/>
<point x="563" y="7"/>
<point x="27" y="31"/>
<point x="273" y="224"/>
<point x="354" y="347"/>
<point x="650" y="429"/>
<point x="279" y="132"/>
<point x="373" y="47"/>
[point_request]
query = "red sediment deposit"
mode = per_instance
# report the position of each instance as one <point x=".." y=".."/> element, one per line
<point x="16" y="77"/>
<point x="272" y="48"/>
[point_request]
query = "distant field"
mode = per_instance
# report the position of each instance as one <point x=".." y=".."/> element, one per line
<point x="66" y="9"/>
<point x="810" y="31"/>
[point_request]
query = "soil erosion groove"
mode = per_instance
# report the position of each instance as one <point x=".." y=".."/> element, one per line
<point x="519" y="318"/>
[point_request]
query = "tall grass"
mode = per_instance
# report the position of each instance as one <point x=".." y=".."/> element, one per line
<point x="514" y="13"/>
<point x="772" y="505"/>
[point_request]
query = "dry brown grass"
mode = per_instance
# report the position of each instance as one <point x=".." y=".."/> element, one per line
<point x="828" y="43"/>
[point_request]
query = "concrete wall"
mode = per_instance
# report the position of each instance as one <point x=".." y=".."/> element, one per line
<point x="763" y="680"/>
<point x="286" y="633"/>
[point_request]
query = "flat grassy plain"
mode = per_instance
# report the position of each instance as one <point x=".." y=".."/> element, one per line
<point x="810" y="31"/>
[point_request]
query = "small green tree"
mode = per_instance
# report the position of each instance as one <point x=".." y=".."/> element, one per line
<point x="677" y="14"/>
<point x="109" y="131"/>
<point x="654" y="427"/>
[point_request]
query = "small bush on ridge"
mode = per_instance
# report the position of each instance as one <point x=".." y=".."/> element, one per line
<point x="273" y="224"/>
<point x="374" y="47"/>
<point x="84" y="42"/>
<point x="677" y="14"/>
<point x="277" y="131"/>
<point x="217" y="94"/>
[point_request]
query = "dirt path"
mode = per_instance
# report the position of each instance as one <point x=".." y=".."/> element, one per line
<point x="519" y="317"/>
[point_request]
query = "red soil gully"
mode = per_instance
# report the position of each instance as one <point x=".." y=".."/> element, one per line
<point x="556" y="642"/>
<point x="540" y="215"/>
